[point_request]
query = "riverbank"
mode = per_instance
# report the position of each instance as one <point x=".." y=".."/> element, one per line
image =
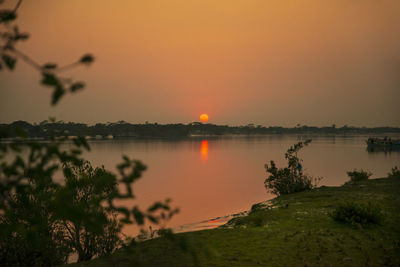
<point x="291" y="230"/>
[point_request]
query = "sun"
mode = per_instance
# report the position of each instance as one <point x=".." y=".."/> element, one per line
<point x="204" y="117"/>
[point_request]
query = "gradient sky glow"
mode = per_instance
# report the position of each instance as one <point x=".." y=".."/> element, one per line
<point x="268" y="62"/>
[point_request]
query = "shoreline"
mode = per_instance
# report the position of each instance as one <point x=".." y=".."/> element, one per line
<point x="292" y="230"/>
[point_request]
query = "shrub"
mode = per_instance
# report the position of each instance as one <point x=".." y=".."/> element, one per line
<point x="90" y="228"/>
<point x="357" y="213"/>
<point x="290" y="179"/>
<point x="357" y="176"/>
<point x="395" y="173"/>
<point x="29" y="237"/>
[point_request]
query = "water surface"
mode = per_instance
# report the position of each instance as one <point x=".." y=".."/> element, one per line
<point x="213" y="177"/>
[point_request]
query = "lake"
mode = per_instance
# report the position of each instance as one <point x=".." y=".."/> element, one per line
<point x="211" y="177"/>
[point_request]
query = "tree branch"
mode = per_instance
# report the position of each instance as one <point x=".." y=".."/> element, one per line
<point x="27" y="59"/>
<point x="17" y="6"/>
<point x="67" y="67"/>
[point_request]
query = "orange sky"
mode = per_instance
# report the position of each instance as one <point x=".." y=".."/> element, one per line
<point x="241" y="61"/>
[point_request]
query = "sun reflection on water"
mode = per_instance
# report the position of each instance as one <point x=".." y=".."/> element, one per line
<point x="204" y="150"/>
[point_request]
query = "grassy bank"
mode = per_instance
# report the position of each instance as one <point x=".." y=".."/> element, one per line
<point x="291" y="230"/>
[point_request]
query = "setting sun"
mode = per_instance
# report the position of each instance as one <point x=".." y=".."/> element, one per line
<point x="204" y="117"/>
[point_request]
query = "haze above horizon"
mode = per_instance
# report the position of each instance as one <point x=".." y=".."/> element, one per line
<point x="264" y="62"/>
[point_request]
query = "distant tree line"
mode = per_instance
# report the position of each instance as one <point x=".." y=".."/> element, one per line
<point x="122" y="129"/>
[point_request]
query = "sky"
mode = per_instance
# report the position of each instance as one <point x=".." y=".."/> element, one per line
<point x="267" y="62"/>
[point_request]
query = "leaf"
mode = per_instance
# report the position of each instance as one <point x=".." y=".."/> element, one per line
<point x="77" y="86"/>
<point x="138" y="215"/>
<point x="57" y="94"/>
<point x="87" y="59"/>
<point x="85" y="143"/>
<point x="67" y="172"/>
<point x="22" y="36"/>
<point x="152" y="219"/>
<point x="9" y="61"/>
<point x="76" y="152"/>
<point x="81" y="141"/>
<point x="18" y="35"/>
<point x="50" y="80"/>
<point x="7" y="15"/>
<point x="50" y="66"/>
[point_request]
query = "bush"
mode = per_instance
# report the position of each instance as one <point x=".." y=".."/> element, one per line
<point x="290" y="179"/>
<point x="357" y="176"/>
<point x="90" y="228"/>
<point x="357" y="213"/>
<point x="29" y="237"/>
<point x="42" y="222"/>
<point x="395" y="173"/>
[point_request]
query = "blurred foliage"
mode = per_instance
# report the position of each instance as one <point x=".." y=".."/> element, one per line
<point x="290" y="179"/>
<point x="52" y="201"/>
<point x="10" y="36"/>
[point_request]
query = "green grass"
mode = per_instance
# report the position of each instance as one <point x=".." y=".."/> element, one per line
<point x="296" y="231"/>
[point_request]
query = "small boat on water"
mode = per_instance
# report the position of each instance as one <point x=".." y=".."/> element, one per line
<point x="383" y="144"/>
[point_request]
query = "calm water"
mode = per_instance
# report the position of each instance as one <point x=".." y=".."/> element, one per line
<point x="208" y="178"/>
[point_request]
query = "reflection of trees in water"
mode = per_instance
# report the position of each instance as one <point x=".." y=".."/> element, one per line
<point x="386" y="150"/>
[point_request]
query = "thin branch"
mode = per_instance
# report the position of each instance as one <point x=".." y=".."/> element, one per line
<point x="27" y="59"/>
<point x="17" y="6"/>
<point x="67" y="67"/>
<point x="37" y="66"/>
